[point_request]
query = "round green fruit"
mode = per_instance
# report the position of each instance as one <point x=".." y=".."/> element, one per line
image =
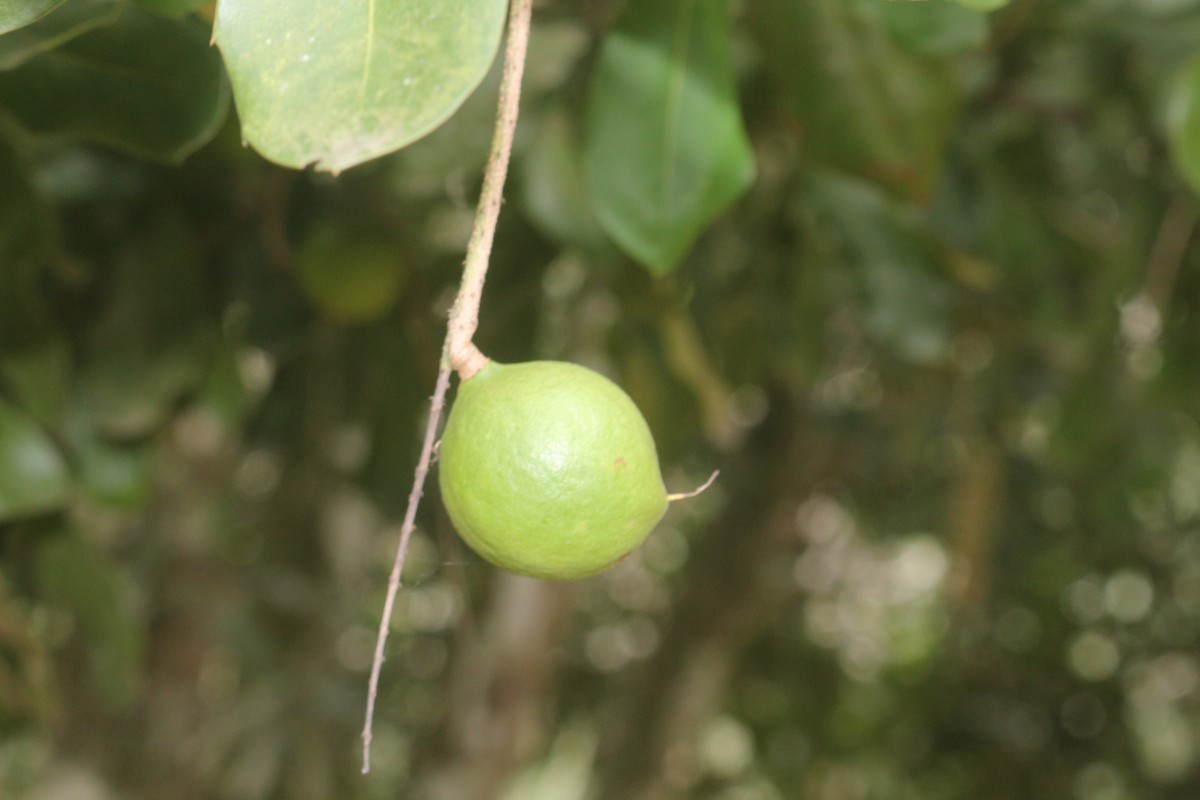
<point x="548" y="469"/>
<point x="350" y="276"/>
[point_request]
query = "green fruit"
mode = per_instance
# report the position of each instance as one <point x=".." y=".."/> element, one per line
<point x="548" y="469"/>
<point x="351" y="276"/>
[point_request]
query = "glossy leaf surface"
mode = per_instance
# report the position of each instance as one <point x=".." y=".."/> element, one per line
<point x="336" y="84"/>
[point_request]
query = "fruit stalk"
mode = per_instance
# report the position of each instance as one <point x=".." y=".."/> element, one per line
<point x="459" y="352"/>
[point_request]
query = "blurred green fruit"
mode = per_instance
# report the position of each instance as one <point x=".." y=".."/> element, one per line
<point x="548" y="469"/>
<point x="349" y="275"/>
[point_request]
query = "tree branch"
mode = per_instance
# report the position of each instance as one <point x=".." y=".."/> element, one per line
<point x="459" y="352"/>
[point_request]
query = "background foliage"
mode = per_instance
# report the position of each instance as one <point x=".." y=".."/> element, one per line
<point x="935" y="322"/>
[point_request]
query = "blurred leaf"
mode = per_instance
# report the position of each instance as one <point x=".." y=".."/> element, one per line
<point x="147" y="85"/>
<point x="351" y="275"/>
<point x="553" y="190"/>
<point x="66" y="22"/>
<point x="336" y="84"/>
<point x="33" y="475"/>
<point x="17" y="13"/>
<point x="933" y="27"/>
<point x="865" y="106"/>
<point x="86" y="582"/>
<point x="1183" y="121"/>
<point x="907" y="303"/>
<point x="151" y="343"/>
<point x="113" y="473"/>
<point x="666" y="151"/>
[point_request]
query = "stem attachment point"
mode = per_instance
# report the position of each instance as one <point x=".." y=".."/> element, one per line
<point x="671" y="498"/>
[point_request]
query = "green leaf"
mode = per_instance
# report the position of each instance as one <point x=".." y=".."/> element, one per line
<point x="19" y="13"/>
<point x="1183" y="121"/>
<point x="882" y="241"/>
<point x="863" y="105"/>
<point x="147" y="85"/>
<point x="933" y="27"/>
<point x="666" y="151"/>
<point x="338" y="83"/>
<point x="69" y="20"/>
<point x="33" y="475"/>
<point x="459" y="145"/>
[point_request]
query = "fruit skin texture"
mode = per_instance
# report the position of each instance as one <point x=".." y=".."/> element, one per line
<point x="548" y="469"/>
